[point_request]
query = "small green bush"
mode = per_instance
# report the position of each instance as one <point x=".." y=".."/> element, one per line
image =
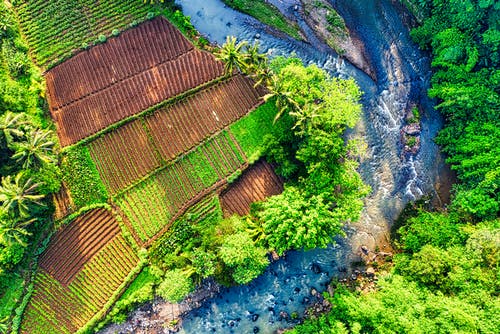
<point x="102" y="38"/>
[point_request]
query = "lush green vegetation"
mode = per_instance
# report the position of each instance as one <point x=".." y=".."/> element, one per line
<point x="251" y="130"/>
<point x="446" y="278"/>
<point x="266" y="13"/>
<point x="57" y="29"/>
<point x="28" y="157"/>
<point x="82" y="178"/>
<point x="72" y="25"/>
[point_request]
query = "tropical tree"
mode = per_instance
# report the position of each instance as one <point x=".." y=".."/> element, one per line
<point x="254" y="60"/>
<point x="13" y="231"/>
<point x="36" y="150"/>
<point x="10" y="127"/>
<point x="284" y="99"/>
<point x="17" y="195"/>
<point x="231" y="54"/>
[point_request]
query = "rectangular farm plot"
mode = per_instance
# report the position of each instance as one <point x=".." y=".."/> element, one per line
<point x="136" y="50"/>
<point x="55" y="28"/>
<point x="150" y="205"/>
<point x="179" y="127"/>
<point x="97" y="111"/>
<point x="123" y="156"/>
<point x="257" y="183"/>
<point x="59" y="308"/>
<point x="76" y="243"/>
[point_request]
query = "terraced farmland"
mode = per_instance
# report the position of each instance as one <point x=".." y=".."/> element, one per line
<point x="178" y="128"/>
<point x="155" y="165"/>
<point x="151" y="205"/>
<point x="256" y="183"/>
<point x="56" y="28"/>
<point x="105" y="89"/>
<point x="123" y="156"/>
<point x="85" y="264"/>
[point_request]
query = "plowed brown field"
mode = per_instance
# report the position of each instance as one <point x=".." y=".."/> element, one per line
<point x="256" y="183"/>
<point x="179" y="127"/>
<point x="74" y="245"/>
<point x="105" y="84"/>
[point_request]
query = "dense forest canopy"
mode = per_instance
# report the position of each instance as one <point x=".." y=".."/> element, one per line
<point x="445" y="280"/>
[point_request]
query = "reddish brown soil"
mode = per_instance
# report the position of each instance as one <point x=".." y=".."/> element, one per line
<point x="74" y="304"/>
<point x="256" y="183"/>
<point x="135" y="51"/>
<point x="101" y="86"/>
<point x="124" y="155"/>
<point x="179" y="127"/>
<point x="63" y="205"/>
<point x="75" y="244"/>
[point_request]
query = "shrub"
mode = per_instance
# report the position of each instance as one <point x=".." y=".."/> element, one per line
<point x="175" y="286"/>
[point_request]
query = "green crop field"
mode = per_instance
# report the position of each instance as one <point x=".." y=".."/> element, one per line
<point x="55" y="29"/>
<point x="150" y="205"/>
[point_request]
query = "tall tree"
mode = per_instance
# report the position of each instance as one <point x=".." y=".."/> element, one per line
<point x="10" y="128"/>
<point x="231" y="53"/>
<point x="13" y="231"/>
<point x="37" y="149"/>
<point x="17" y="196"/>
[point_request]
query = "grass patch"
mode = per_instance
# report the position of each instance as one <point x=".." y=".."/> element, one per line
<point x="82" y="177"/>
<point x="267" y="14"/>
<point x="251" y="129"/>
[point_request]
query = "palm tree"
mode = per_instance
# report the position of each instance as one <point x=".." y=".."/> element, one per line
<point x="231" y="54"/>
<point x="284" y="99"/>
<point x="13" y="232"/>
<point x="17" y="196"/>
<point x="254" y="60"/>
<point x="10" y="128"/>
<point x="36" y="150"/>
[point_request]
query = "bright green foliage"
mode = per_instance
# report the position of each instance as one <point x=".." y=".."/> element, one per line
<point x="430" y="228"/>
<point x="54" y="29"/>
<point x="251" y="130"/>
<point x="401" y="306"/>
<point x="246" y="260"/>
<point x="13" y="291"/>
<point x="464" y="37"/>
<point x="18" y="195"/>
<point x="38" y="149"/>
<point x="175" y="286"/>
<point x="139" y="291"/>
<point x="182" y="243"/>
<point x="293" y="220"/>
<point x="231" y="54"/>
<point x="82" y="178"/>
<point x="329" y="190"/>
<point x="266" y="13"/>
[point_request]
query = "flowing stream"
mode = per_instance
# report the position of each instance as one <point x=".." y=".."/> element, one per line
<point x="402" y="73"/>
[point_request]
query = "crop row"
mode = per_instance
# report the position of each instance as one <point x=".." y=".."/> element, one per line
<point x="77" y="243"/>
<point x="123" y="156"/>
<point x="173" y="130"/>
<point x="257" y="183"/>
<point x="150" y="205"/>
<point x="132" y="95"/>
<point x="181" y="126"/>
<point x="55" y="308"/>
<point x="56" y="28"/>
<point x="136" y="50"/>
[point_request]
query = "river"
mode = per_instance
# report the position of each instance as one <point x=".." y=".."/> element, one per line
<point x="403" y="74"/>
